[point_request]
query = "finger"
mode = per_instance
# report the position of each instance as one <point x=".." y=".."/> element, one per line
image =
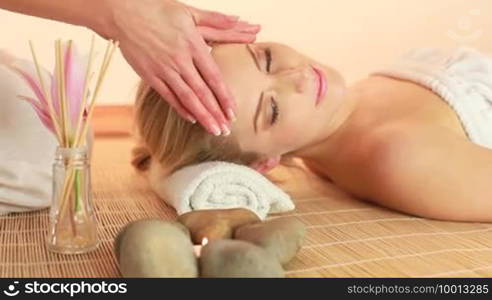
<point x="168" y="96"/>
<point x="211" y="74"/>
<point x="245" y="27"/>
<point x="189" y="100"/>
<point x="225" y="36"/>
<point x="213" y="19"/>
<point x="194" y="80"/>
<point x="159" y="86"/>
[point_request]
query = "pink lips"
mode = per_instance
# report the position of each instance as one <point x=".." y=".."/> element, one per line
<point x="321" y="85"/>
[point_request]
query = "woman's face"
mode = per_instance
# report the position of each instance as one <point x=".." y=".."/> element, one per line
<point x="285" y="101"/>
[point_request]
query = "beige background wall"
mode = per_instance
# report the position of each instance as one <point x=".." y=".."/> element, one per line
<point x="354" y="36"/>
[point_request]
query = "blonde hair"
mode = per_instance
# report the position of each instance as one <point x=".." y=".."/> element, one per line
<point x="173" y="142"/>
<point x="168" y="139"/>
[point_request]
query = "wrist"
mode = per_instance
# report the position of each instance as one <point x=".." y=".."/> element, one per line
<point x="102" y="22"/>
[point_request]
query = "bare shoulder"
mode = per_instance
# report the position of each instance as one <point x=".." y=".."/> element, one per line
<point x="428" y="171"/>
<point x="376" y="156"/>
<point x="391" y="153"/>
<point x="410" y="145"/>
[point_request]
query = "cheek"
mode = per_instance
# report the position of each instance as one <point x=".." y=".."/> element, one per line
<point x="295" y="128"/>
<point x="290" y="137"/>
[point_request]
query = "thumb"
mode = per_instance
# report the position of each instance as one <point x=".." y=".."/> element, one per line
<point x="213" y="19"/>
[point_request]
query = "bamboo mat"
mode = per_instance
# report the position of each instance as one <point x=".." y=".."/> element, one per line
<point x="346" y="237"/>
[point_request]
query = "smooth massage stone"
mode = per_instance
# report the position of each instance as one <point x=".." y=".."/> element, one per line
<point x="281" y="237"/>
<point x="155" y="248"/>
<point x="216" y="224"/>
<point x="237" y="259"/>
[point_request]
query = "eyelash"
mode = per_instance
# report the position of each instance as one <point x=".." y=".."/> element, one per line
<point x="275" y="111"/>
<point x="273" y="104"/>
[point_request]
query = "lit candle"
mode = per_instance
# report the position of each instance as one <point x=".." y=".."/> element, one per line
<point x="198" y="248"/>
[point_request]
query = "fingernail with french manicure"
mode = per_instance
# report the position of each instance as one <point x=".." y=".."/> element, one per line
<point x="191" y="119"/>
<point x="231" y="115"/>
<point x="215" y="130"/>
<point x="225" y="130"/>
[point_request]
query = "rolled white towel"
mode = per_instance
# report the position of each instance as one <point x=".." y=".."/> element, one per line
<point x="220" y="185"/>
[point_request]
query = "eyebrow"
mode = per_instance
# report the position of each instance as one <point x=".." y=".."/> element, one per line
<point x="257" y="113"/>
<point x="255" y="57"/>
<point x="259" y="105"/>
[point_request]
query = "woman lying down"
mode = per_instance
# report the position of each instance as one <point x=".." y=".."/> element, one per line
<point x="415" y="136"/>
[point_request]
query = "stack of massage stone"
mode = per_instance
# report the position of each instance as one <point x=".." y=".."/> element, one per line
<point x="240" y="245"/>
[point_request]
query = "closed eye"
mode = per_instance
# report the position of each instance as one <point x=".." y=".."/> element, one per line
<point x="275" y="111"/>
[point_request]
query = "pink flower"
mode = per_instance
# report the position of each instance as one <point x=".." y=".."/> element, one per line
<point x="74" y="77"/>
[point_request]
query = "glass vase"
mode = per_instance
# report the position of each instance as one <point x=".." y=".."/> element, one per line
<point x="73" y="225"/>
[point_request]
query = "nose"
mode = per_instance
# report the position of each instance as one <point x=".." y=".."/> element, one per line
<point x="297" y="78"/>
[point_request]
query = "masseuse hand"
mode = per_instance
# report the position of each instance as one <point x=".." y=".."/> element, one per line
<point x="165" y="42"/>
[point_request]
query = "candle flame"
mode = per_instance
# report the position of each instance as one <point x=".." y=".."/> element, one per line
<point x="204" y="241"/>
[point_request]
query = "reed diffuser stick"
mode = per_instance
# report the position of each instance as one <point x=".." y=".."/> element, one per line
<point x="46" y="95"/>
<point x="87" y="80"/>
<point x="102" y="75"/>
<point x="80" y="137"/>
<point x="58" y="75"/>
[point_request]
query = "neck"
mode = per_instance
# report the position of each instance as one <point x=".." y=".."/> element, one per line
<point x="320" y="150"/>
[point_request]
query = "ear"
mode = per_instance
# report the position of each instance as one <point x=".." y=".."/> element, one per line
<point x="265" y="165"/>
